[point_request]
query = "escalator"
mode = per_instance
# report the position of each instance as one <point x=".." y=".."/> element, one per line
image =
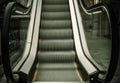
<point x="56" y="52"/>
<point x="48" y="43"/>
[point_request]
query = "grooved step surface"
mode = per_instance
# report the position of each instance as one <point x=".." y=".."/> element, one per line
<point x="63" y="82"/>
<point x="57" y="72"/>
<point x="55" y="8"/>
<point x="56" y="33"/>
<point x="55" y="15"/>
<point x="56" y="56"/>
<point x="54" y="24"/>
<point x="56" y="66"/>
<point x="55" y="1"/>
<point x="55" y="45"/>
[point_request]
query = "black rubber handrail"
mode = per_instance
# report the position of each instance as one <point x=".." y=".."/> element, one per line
<point x="5" y="38"/>
<point x="115" y="34"/>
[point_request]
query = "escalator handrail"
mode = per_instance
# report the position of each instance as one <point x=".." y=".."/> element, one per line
<point x="115" y="39"/>
<point x="5" y="38"/>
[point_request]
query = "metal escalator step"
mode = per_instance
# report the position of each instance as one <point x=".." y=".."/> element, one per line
<point x="55" y="1"/>
<point x="55" y="8"/>
<point x="56" y="45"/>
<point x="56" y="66"/>
<point x="55" y="15"/>
<point x="55" y="24"/>
<point x="56" y="56"/>
<point x="62" y="82"/>
<point x="57" y="72"/>
<point x="56" y="33"/>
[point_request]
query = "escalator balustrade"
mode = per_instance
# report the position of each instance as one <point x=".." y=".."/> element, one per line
<point x="17" y="38"/>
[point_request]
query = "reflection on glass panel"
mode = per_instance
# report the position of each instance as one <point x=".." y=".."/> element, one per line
<point x="1" y="66"/>
<point x="98" y="36"/>
<point x="1" y="21"/>
<point x="92" y="2"/>
<point x="17" y="37"/>
<point x="23" y="2"/>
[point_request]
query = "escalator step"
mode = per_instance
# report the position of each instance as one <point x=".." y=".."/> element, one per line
<point x="62" y="82"/>
<point x="55" y="15"/>
<point x="55" y="24"/>
<point x="55" y="45"/>
<point x="56" y="33"/>
<point x="56" y="66"/>
<point x="57" y="72"/>
<point x="55" y="8"/>
<point x="55" y="1"/>
<point x="56" y="56"/>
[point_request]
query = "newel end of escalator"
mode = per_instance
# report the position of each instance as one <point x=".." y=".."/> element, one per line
<point x="20" y="77"/>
